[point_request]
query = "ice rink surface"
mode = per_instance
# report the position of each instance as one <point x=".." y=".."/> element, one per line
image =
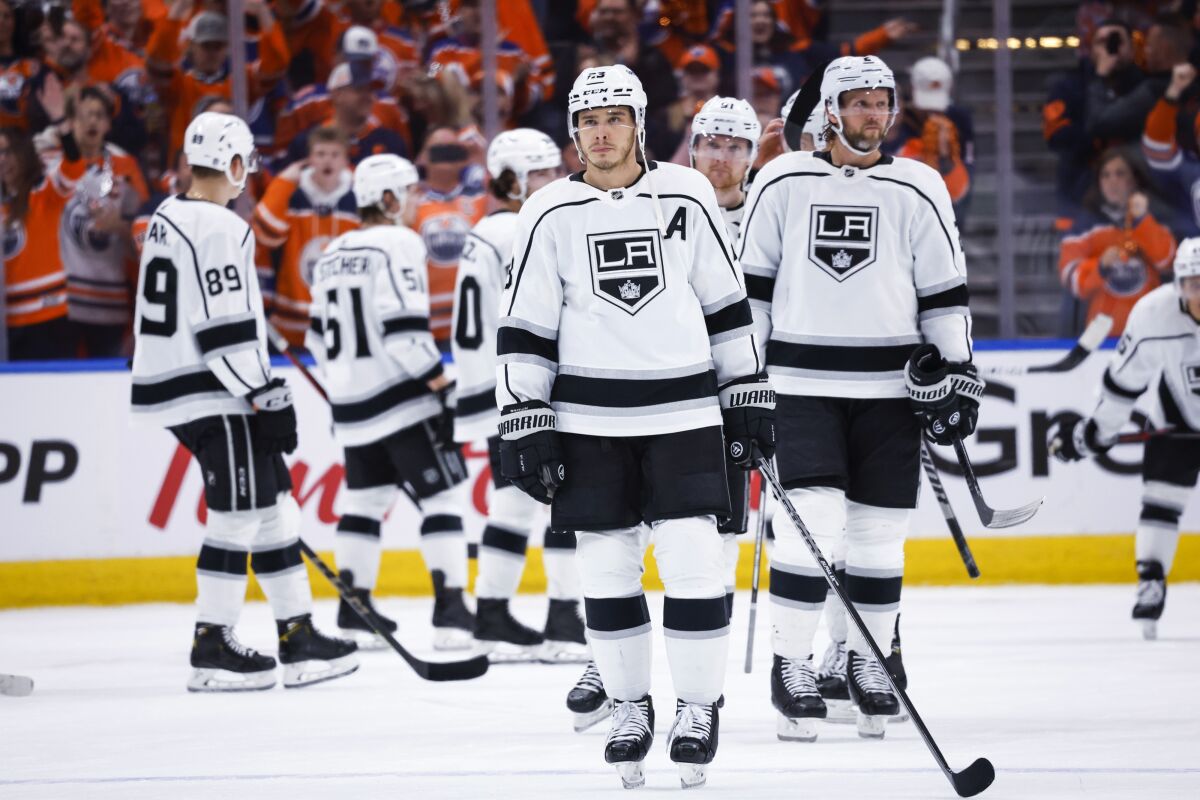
<point x="1054" y="685"/>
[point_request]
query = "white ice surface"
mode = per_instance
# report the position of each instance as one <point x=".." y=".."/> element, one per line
<point x="1054" y="685"/>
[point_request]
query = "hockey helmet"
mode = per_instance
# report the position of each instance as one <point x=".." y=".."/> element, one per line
<point x="1187" y="260"/>
<point x="726" y="116"/>
<point x="523" y="150"/>
<point x="382" y="173"/>
<point x="601" y="87"/>
<point x="848" y="73"/>
<point x="213" y="139"/>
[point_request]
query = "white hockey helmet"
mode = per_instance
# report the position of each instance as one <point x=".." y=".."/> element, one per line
<point x="213" y="139"/>
<point x="382" y="173"/>
<point x="523" y="150"/>
<point x="848" y="73"/>
<point x="1187" y="259"/>
<point x="726" y="116"/>
<point x="601" y="87"/>
<point x="814" y="126"/>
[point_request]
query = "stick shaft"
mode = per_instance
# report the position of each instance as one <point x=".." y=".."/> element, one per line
<point x="759" y="536"/>
<point x="956" y="532"/>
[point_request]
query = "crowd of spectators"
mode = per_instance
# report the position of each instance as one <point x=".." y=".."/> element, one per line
<point x="1124" y="126"/>
<point x="95" y="96"/>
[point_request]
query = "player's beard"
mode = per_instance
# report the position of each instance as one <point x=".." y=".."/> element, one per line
<point x="863" y="139"/>
<point x="725" y="178"/>
<point x="614" y="157"/>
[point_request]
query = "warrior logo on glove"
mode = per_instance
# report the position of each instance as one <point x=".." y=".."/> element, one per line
<point x="945" y="396"/>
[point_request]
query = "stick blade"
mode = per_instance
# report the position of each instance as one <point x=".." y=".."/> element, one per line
<point x="974" y="779"/>
<point x="1096" y="331"/>
<point x="454" y="670"/>
<point x="1008" y="517"/>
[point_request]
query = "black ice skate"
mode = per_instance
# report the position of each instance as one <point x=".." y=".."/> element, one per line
<point x="352" y="626"/>
<point x="1151" y="597"/>
<point x="629" y="740"/>
<point x="831" y="683"/>
<point x="220" y="663"/>
<point x="453" y="622"/>
<point x="871" y="693"/>
<point x="692" y="741"/>
<point x="794" y="695"/>
<point x="895" y="666"/>
<point x="501" y="636"/>
<point x="587" y="699"/>
<point x="565" y="642"/>
<point x="309" y="656"/>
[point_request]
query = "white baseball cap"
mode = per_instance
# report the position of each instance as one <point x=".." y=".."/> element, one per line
<point x="932" y="81"/>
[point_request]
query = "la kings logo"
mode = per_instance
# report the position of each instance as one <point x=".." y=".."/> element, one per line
<point x="627" y="267"/>
<point x="1191" y="377"/>
<point x="841" y="239"/>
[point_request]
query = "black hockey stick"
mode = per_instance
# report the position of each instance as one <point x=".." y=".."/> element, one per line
<point x="429" y="670"/>
<point x="1093" y="337"/>
<point x="16" y="685"/>
<point x="991" y="517"/>
<point x="968" y="782"/>
<point x="806" y="102"/>
<point x="759" y="536"/>
<point x="939" y="491"/>
<point x="1139" y="437"/>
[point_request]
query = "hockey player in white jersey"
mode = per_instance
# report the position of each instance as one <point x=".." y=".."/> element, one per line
<point x="370" y="336"/>
<point x="200" y="369"/>
<point x="520" y="162"/>
<point x="857" y="280"/>
<point x="625" y="342"/>
<point x="1161" y="344"/>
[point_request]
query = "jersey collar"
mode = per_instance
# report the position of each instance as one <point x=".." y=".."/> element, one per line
<point x="851" y="171"/>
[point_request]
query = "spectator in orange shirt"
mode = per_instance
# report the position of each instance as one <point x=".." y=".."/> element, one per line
<point x="398" y="57"/>
<point x="207" y="72"/>
<point x="1116" y="251"/>
<point x="34" y="282"/>
<point x="304" y="208"/>
<point x="124" y="22"/>
<point x="310" y="27"/>
<point x="18" y="65"/>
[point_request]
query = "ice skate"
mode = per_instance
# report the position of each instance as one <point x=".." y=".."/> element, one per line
<point x="871" y="693"/>
<point x="629" y="740"/>
<point x="564" y="639"/>
<point x="501" y="636"/>
<point x="351" y="626"/>
<point x="453" y="622"/>
<point x="692" y="741"/>
<point x="895" y="666"/>
<point x="220" y="663"/>
<point x="309" y="656"/>
<point x="831" y="683"/>
<point x="587" y="700"/>
<point x="795" y="696"/>
<point x="1151" y="597"/>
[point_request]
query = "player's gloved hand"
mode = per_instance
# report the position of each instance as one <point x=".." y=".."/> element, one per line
<point x="945" y="396"/>
<point x="530" y="454"/>
<point x="274" y="418"/>
<point x="443" y="426"/>
<point x="1076" y="438"/>
<point x="748" y="410"/>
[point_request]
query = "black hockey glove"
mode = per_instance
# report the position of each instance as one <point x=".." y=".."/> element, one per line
<point x="945" y="396"/>
<point x="748" y="410"/>
<point x="530" y="454"/>
<point x="274" y="418"/>
<point x="1076" y="438"/>
<point x="443" y="426"/>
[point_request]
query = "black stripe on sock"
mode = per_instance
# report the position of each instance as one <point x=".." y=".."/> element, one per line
<point x="441" y="523"/>
<point x="873" y="591"/>
<point x="501" y="539"/>
<point x="616" y="613"/>
<point x="798" y="588"/>
<point x="269" y="561"/>
<point x="351" y="523"/>
<point x="708" y="614"/>
<point x="1157" y="513"/>
<point x="558" y="540"/>
<point x="218" y="559"/>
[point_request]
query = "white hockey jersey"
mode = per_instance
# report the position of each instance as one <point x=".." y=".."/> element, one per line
<point x="200" y="339"/>
<point x="625" y="331"/>
<point x="482" y="271"/>
<point x="370" y="333"/>
<point x="1161" y="341"/>
<point x="849" y="270"/>
<point x="733" y="221"/>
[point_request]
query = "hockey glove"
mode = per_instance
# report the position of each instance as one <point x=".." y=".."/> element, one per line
<point x="748" y="410"/>
<point x="274" y="418"/>
<point x="443" y="426"/>
<point x="945" y="396"/>
<point x="530" y="454"/>
<point x="1076" y="438"/>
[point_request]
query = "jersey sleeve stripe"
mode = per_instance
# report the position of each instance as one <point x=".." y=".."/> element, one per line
<point x="1112" y="387"/>
<point x="169" y="390"/>
<point x="633" y="393"/>
<point x="760" y="288"/>
<point x="956" y="296"/>
<point x="517" y="341"/>
<point x="832" y="358"/>
<point x="734" y="316"/>
<point x="478" y="403"/>
<point x="228" y="337"/>
<point x="394" y="396"/>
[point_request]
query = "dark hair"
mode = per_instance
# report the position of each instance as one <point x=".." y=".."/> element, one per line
<point x="327" y="134"/>
<point x="29" y="171"/>
<point x="27" y="18"/>
<point x="76" y="98"/>
<point x="504" y="186"/>
<point x="206" y="172"/>
<point x="1093" y="200"/>
<point x="372" y="214"/>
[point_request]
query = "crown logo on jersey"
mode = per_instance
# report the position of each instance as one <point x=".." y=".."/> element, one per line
<point x="630" y="290"/>
<point x="842" y="260"/>
<point x="841" y="239"/>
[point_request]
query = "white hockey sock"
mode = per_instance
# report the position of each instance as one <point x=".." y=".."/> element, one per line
<point x="443" y="544"/>
<point x="691" y="563"/>
<point x="503" y="543"/>
<point x="222" y="565"/>
<point x="558" y="555"/>
<point x="875" y="570"/>
<point x="798" y="586"/>
<point x="276" y="560"/>
<point x="357" y="546"/>
<point x="836" y="621"/>
<point x="1158" y="527"/>
<point x="618" y="620"/>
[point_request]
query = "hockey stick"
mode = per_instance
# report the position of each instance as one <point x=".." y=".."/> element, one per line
<point x="759" y="536"/>
<point x="1161" y="433"/>
<point x="1093" y="337"/>
<point x="429" y="670"/>
<point x="968" y="782"/>
<point x="939" y="491"/>
<point x="991" y="517"/>
<point x="15" y="685"/>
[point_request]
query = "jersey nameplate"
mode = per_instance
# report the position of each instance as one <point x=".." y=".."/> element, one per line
<point x="627" y="267"/>
<point x="841" y="239"/>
